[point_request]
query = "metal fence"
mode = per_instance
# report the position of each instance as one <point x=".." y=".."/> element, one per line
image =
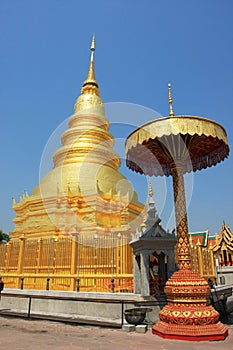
<point x="83" y="262"/>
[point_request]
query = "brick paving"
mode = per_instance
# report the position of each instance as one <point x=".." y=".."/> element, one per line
<point x="24" y="334"/>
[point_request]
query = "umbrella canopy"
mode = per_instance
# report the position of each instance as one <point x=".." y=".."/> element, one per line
<point x="157" y="146"/>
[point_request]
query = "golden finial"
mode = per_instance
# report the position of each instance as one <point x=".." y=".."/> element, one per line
<point x="150" y="189"/>
<point x="190" y="239"/>
<point x="90" y="84"/>
<point x="143" y="226"/>
<point x="170" y="100"/>
<point x="58" y="195"/>
<point x="92" y="48"/>
<point x="93" y="43"/>
<point x="58" y="190"/>
<point x="98" y="187"/>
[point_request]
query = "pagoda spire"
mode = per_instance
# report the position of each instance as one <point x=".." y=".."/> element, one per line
<point x="152" y="216"/>
<point x="150" y="192"/>
<point x="90" y="85"/>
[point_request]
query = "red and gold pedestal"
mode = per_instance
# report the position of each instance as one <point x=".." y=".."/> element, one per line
<point x="187" y="316"/>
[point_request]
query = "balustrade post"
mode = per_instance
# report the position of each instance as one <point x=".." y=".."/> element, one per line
<point x="73" y="261"/>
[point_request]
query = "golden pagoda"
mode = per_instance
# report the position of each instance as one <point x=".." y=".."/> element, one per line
<point x="73" y="231"/>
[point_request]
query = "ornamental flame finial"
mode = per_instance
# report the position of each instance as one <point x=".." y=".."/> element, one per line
<point x="171" y="114"/>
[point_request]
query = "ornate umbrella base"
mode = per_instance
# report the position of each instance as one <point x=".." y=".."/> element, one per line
<point x="187" y="315"/>
<point x="190" y="332"/>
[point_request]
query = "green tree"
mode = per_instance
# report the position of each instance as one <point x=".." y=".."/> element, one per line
<point x="4" y="237"/>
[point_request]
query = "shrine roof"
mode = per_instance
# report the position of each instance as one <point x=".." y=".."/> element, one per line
<point x="199" y="238"/>
<point x="224" y="241"/>
<point x="211" y="240"/>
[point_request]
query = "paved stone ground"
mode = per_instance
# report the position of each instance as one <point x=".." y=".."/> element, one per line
<point x="23" y="334"/>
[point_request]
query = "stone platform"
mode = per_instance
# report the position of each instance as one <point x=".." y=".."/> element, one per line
<point x="106" y="309"/>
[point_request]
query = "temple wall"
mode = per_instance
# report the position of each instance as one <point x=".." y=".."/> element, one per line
<point x="224" y="275"/>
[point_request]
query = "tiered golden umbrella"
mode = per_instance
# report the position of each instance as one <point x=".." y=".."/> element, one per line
<point x="175" y="145"/>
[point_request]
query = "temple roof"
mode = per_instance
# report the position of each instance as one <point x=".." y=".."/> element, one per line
<point x="221" y="241"/>
<point x="224" y="240"/>
<point x="199" y="238"/>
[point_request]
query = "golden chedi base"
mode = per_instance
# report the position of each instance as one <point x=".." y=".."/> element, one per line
<point x="187" y="316"/>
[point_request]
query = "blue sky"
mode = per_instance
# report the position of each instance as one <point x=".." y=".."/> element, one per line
<point x="141" y="47"/>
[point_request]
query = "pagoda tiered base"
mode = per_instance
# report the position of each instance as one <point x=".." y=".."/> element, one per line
<point x="187" y="315"/>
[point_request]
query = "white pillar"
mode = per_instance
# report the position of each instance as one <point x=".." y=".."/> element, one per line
<point x="137" y="275"/>
<point x="145" y="284"/>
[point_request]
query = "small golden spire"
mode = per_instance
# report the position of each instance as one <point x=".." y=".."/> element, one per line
<point x="58" y="195"/>
<point x="170" y="100"/>
<point x="90" y="85"/>
<point x="79" y="191"/>
<point x="69" y="192"/>
<point x="58" y="190"/>
<point x="150" y="189"/>
<point x="190" y="239"/>
<point x="98" y="188"/>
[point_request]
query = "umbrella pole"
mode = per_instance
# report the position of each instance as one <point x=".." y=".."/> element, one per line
<point x="183" y="251"/>
<point x="187" y="315"/>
